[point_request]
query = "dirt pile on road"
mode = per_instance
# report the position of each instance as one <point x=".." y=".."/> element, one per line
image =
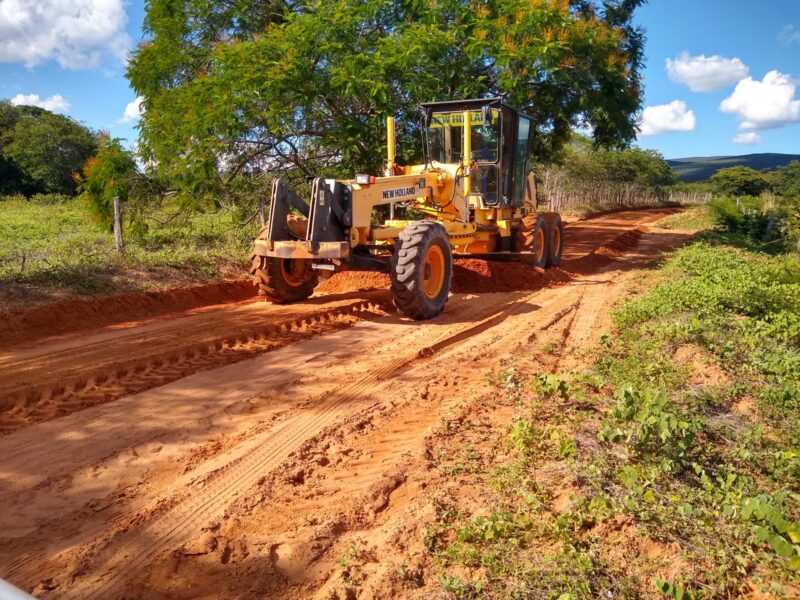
<point x="96" y="311"/>
<point x="470" y="276"/>
<point x="476" y="276"/>
<point x="589" y="245"/>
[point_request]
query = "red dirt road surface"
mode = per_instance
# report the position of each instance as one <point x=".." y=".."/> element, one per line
<point x="237" y="451"/>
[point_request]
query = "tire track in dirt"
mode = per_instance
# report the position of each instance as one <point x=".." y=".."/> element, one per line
<point x="199" y="506"/>
<point x="310" y="559"/>
<point x="103" y="443"/>
<point x="39" y="388"/>
<point x="63" y="392"/>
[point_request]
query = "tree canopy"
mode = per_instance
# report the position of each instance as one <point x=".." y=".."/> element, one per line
<point x="40" y="151"/>
<point x="646" y="168"/>
<point x="787" y="180"/>
<point x="739" y="181"/>
<point x="304" y="86"/>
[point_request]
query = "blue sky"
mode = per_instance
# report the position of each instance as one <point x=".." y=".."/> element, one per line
<point x="763" y="34"/>
<point x="734" y="70"/>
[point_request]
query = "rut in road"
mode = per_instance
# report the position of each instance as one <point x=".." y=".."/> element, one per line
<point x="199" y="506"/>
<point x="32" y="396"/>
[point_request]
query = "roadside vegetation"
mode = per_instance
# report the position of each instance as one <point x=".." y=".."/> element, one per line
<point x="55" y="246"/>
<point x="671" y="469"/>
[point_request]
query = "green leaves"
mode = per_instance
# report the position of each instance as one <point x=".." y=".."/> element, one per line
<point x="40" y="151"/>
<point x="107" y="175"/>
<point x="303" y="88"/>
<point x="674" y="591"/>
<point x="646" y="420"/>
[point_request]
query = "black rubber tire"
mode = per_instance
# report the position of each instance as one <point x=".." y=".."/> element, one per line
<point x="555" y="245"/>
<point x="408" y="270"/>
<point x="269" y="276"/>
<point x="528" y="233"/>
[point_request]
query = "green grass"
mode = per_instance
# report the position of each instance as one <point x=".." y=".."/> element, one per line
<point x="694" y="217"/>
<point x="720" y="482"/>
<point x="708" y="470"/>
<point x="55" y="246"/>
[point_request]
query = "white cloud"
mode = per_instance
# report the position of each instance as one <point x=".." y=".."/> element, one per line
<point x="790" y="35"/>
<point x="747" y="139"/>
<point x="78" y="34"/>
<point x="133" y="111"/>
<point x="667" y="118"/>
<point x="706" y="73"/>
<point x="764" y="104"/>
<point x="55" y="103"/>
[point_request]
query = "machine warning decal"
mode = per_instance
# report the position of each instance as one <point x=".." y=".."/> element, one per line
<point x="399" y="193"/>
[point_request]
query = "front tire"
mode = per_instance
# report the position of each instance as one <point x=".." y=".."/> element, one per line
<point x="283" y="280"/>
<point x="422" y="267"/>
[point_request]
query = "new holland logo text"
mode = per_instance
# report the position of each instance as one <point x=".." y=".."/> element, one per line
<point x="399" y="193"/>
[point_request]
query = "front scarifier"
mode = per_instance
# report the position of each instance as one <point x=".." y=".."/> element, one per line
<point x="475" y="196"/>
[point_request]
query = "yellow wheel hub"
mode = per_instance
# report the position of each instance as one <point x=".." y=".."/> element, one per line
<point x="293" y="271"/>
<point x="540" y="249"/>
<point x="433" y="272"/>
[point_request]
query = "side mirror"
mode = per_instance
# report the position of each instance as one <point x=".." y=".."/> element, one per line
<point x="425" y="117"/>
<point x="486" y="115"/>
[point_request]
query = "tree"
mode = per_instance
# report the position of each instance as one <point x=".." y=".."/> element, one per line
<point x="12" y="179"/>
<point x="739" y="181"/>
<point x="787" y="180"/>
<point x="303" y="86"/>
<point x="108" y="174"/>
<point x="41" y="150"/>
<point x="645" y="168"/>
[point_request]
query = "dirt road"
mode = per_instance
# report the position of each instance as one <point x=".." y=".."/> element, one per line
<point x="248" y="450"/>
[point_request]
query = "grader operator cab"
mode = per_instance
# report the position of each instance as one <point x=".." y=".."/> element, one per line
<point x="474" y="196"/>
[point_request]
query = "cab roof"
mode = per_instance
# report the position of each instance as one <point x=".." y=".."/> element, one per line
<point x="470" y="104"/>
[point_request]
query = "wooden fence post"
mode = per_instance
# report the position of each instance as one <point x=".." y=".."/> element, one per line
<point x="262" y="210"/>
<point x="118" y="241"/>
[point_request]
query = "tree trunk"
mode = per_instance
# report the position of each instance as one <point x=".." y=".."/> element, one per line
<point x="118" y="241"/>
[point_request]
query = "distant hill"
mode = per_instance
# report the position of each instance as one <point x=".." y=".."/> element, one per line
<point x="700" y="169"/>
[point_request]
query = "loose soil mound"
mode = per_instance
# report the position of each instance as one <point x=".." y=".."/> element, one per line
<point x="71" y="315"/>
<point x="476" y="276"/>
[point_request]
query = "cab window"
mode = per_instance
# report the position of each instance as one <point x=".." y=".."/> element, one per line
<point x="521" y="155"/>
<point x="446" y="137"/>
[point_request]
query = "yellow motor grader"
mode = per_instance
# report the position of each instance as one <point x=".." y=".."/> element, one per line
<point x="474" y="196"/>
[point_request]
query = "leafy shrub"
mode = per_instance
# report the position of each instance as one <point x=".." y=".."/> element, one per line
<point x="647" y="422"/>
<point x="47" y="199"/>
<point x="759" y="221"/>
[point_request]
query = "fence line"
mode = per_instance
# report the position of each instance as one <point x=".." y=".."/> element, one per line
<point x="562" y="193"/>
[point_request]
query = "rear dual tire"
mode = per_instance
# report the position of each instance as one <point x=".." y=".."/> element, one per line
<point x="541" y="235"/>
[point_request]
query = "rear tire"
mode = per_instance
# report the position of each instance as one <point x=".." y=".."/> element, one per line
<point x="532" y="236"/>
<point x="556" y="246"/>
<point x="283" y="280"/>
<point x="422" y="267"/>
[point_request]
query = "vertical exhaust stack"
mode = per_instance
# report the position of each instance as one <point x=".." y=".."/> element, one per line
<point x="466" y="161"/>
<point x="390" y="147"/>
<point x="390" y="156"/>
